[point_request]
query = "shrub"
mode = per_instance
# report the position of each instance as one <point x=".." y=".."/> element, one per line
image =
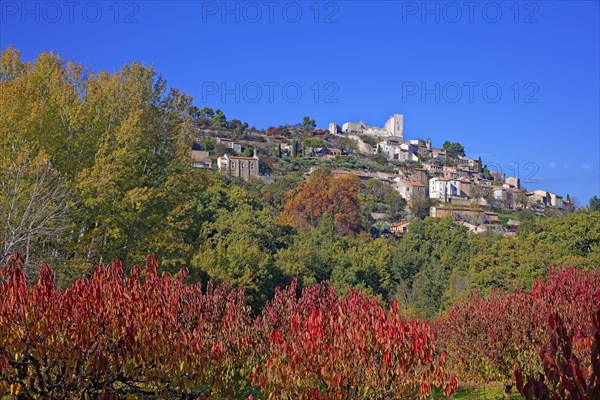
<point x="487" y="338"/>
<point x="322" y="346"/>
<point x="111" y="335"/>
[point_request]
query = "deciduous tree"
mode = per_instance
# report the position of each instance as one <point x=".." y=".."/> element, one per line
<point x="34" y="205"/>
<point x="322" y="194"/>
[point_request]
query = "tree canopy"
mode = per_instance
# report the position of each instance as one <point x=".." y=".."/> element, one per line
<point x="455" y="149"/>
<point x="323" y="195"/>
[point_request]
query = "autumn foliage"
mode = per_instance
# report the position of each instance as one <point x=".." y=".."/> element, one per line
<point x="487" y="338"/>
<point x="565" y="375"/>
<point x="320" y="195"/>
<point x="112" y="335"/>
<point x="327" y="347"/>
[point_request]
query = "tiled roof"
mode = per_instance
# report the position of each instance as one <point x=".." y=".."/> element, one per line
<point x="460" y="209"/>
<point x="242" y="158"/>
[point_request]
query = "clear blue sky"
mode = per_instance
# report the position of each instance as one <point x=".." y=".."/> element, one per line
<point x="441" y="64"/>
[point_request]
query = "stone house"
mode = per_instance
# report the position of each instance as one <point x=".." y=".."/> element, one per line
<point x="436" y="152"/>
<point x="399" y="228"/>
<point x="394" y="149"/>
<point x="466" y="186"/>
<point x="230" y="144"/>
<point x="469" y="215"/>
<point x="474" y="228"/>
<point x="334" y="129"/>
<point x="513" y="181"/>
<point x="504" y="197"/>
<point x="449" y="172"/>
<point x="419" y="174"/>
<point x="409" y="188"/>
<point x="390" y="148"/>
<point x="433" y="168"/>
<point x="333" y="152"/>
<point x="539" y="197"/>
<point x="239" y="167"/>
<point x="201" y="159"/>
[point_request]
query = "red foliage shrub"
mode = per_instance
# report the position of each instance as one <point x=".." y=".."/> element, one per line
<point x="565" y="375"/>
<point x="111" y="335"/>
<point x="487" y="338"/>
<point x="322" y="346"/>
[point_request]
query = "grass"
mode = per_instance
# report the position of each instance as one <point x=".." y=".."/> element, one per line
<point x="492" y="391"/>
<point x="505" y="215"/>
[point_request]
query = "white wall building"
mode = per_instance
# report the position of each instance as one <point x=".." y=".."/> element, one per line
<point x="394" y="126"/>
<point x="444" y="188"/>
<point x="556" y="200"/>
<point x="395" y="149"/>
<point x="353" y="127"/>
<point x="333" y="128"/>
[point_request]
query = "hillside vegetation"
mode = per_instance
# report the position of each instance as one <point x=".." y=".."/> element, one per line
<point x="96" y="166"/>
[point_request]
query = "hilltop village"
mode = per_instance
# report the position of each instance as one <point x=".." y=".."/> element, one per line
<point x="434" y="181"/>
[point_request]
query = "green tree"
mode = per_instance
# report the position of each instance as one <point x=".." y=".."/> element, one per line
<point x="274" y="192"/>
<point x="379" y="196"/>
<point x="248" y="151"/>
<point x="237" y="127"/>
<point x="219" y="120"/>
<point x="119" y="191"/>
<point x="419" y="206"/>
<point x="238" y="248"/>
<point x="115" y="141"/>
<point x="202" y="117"/>
<point x="207" y="144"/>
<point x="312" y="143"/>
<point x="594" y="203"/>
<point x="312" y="255"/>
<point x="428" y="288"/>
<point x="308" y="123"/>
<point x="370" y="266"/>
<point x="348" y="145"/>
<point x="395" y="203"/>
<point x="454" y="149"/>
